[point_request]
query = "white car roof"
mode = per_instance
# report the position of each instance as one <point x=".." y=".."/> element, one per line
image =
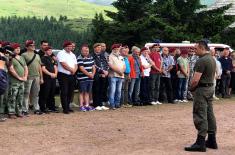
<point x="187" y="45"/>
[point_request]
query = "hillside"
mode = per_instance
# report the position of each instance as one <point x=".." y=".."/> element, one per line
<point x="70" y="8"/>
<point x="40" y="8"/>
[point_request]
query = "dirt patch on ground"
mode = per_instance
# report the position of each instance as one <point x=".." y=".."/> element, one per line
<point x="158" y="130"/>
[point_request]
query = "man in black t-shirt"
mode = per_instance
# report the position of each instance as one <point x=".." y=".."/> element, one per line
<point x="47" y="89"/>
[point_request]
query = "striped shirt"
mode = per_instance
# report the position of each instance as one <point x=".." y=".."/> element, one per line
<point x="88" y="64"/>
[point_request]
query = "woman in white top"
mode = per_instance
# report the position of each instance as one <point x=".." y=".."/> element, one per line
<point x="144" y="85"/>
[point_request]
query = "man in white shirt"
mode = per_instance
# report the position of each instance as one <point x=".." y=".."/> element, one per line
<point x="67" y="67"/>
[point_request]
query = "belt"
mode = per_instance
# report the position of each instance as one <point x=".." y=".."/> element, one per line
<point x="205" y="84"/>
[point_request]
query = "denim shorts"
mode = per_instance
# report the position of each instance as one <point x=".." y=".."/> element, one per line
<point x="3" y="81"/>
<point x="85" y="86"/>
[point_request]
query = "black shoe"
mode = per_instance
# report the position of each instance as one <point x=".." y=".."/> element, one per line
<point x="198" y="146"/>
<point x="45" y="111"/>
<point x="71" y="110"/>
<point x="211" y="142"/>
<point x="38" y="112"/>
<point x="55" y="111"/>
<point x="26" y="114"/>
<point x="66" y="112"/>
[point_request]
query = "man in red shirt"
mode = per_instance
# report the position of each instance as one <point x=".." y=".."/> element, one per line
<point x="155" y="74"/>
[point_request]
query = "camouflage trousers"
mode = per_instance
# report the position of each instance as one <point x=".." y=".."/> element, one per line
<point x="203" y="115"/>
<point x="15" y="98"/>
<point x="4" y="102"/>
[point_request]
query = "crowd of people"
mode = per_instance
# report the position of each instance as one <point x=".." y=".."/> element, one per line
<point x="124" y="77"/>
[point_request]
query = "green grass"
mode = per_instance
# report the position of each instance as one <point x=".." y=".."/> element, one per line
<point x="74" y="9"/>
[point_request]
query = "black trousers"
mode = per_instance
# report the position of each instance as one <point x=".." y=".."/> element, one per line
<point x="144" y="90"/>
<point x="99" y="90"/>
<point x="67" y="84"/>
<point x="166" y="88"/>
<point x="225" y="83"/>
<point x="174" y="83"/>
<point x="232" y="82"/>
<point x="47" y="94"/>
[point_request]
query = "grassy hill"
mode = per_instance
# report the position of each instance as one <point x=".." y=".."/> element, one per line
<point x="79" y="12"/>
<point x="40" y="8"/>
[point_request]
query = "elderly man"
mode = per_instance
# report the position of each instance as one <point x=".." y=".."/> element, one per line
<point x="67" y="67"/>
<point x="135" y="75"/>
<point x="167" y="66"/>
<point x="103" y="50"/>
<point x="124" y="51"/>
<point x="116" y="76"/>
<point x="100" y="84"/>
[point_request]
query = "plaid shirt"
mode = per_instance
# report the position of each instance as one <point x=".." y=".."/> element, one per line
<point x="192" y="61"/>
<point x="167" y="61"/>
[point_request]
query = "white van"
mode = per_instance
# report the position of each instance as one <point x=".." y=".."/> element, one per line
<point x="219" y="47"/>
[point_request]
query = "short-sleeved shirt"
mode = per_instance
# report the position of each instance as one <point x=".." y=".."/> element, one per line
<point x="117" y="61"/>
<point x="34" y="66"/>
<point x="167" y="61"/>
<point x="88" y="64"/>
<point x="207" y="66"/>
<point x="192" y="61"/>
<point x="49" y="64"/>
<point x="18" y="66"/>
<point x="145" y="62"/>
<point x="67" y="57"/>
<point x="183" y="62"/>
<point x="156" y="57"/>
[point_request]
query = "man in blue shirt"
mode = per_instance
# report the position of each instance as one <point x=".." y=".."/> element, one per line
<point x="124" y="51"/>
<point x="227" y="66"/>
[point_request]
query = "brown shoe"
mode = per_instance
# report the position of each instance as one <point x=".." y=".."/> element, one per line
<point x="12" y="116"/>
<point x="19" y="115"/>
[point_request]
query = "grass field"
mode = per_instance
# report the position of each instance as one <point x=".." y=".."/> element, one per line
<point x="41" y="8"/>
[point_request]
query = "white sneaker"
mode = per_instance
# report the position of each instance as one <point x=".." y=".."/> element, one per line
<point x="104" y="108"/>
<point x="154" y="103"/>
<point x="215" y="98"/>
<point x="158" y="102"/>
<point x="73" y="105"/>
<point x="185" y="101"/>
<point x="176" y="100"/>
<point x="180" y="101"/>
<point x="98" y="108"/>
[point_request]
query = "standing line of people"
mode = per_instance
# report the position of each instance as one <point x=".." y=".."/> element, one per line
<point x="145" y="76"/>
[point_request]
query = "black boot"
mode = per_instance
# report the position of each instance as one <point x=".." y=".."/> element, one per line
<point x="198" y="146"/>
<point x="211" y="141"/>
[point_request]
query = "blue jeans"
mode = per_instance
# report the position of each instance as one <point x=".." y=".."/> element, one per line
<point x="181" y="88"/>
<point x="134" y="91"/>
<point x="115" y="87"/>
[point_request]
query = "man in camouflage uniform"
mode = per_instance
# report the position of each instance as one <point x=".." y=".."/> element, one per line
<point x="18" y="75"/>
<point x="202" y="87"/>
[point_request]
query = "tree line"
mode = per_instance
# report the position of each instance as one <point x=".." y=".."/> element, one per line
<point x="139" y="21"/>
<point x="18" y="29"/>
<point x="134" y="22"/>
